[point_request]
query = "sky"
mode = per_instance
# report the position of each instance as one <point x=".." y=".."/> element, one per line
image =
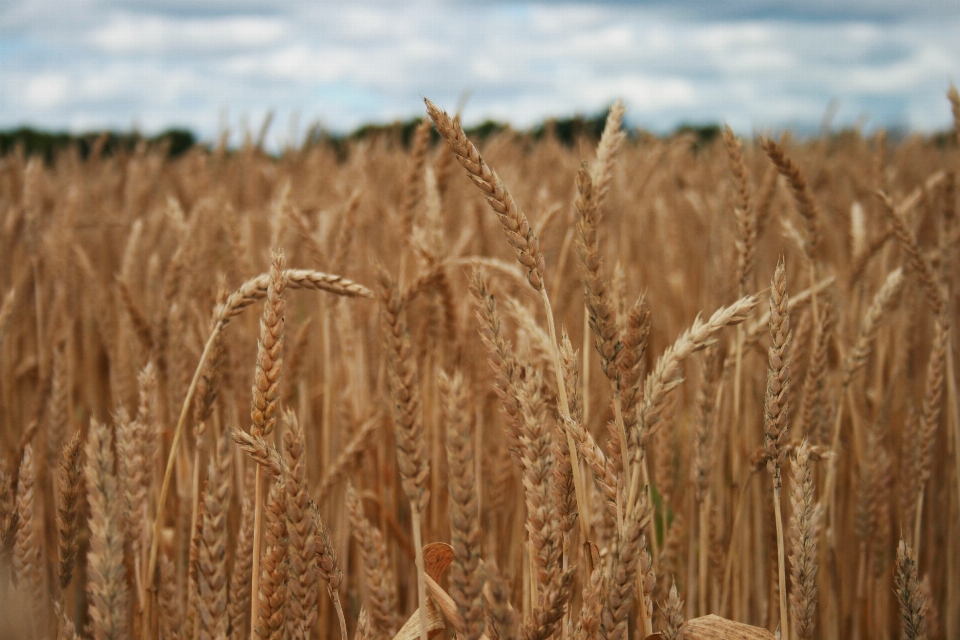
<point x="205" y="65"/>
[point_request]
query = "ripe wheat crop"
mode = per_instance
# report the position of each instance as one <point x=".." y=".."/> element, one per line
<point x="500" y="389"/>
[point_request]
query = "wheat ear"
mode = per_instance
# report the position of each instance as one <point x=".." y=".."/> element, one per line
<point x="930" y="418"/>
<point x="564" y="489"/>
<point x="743" y="210"/>
<point x="301" y="532"/>
<point x="775" y="415"/>
<point x="519" y="233"/>
<point x="522" y="238"/>
<point x="380" y="606"/>
<point x="27" y="542"/>
<point x="274" y="581"/>
<point x="804" y="526"/>
<point x="496" y="595"/>
<point x="601" y="311"/>
<point x="603" y="317"/>
<point x="703" y="460"/>
<point x="621" y="580"/>
<point x="542" y="525"/>
<point x="916" y="258"/>
<point x="591" y="612"/>
<point x="212" y="566"/>
<point x="806" y="205"/>
<point x="413" y="180"/>
<point x="170" y="617"/>
<point x="328" y="566"/>
<point x="264" y="454"/>
<point x="813" y="411"/>
<point x="506" y="369"/>
<point x="466" y="580"/>
<point x="58" y="408"/>
<point x="191" y="617"/>
<point x="263" y="412"/>
<point x="70" y="485"/>
<point x="636" y="332"/>
<point x="672" y="615"/>
<point x="880" y="307"/>
<point x="667" y="375"/>
<point x="407" y="420"/>
<point x="106" y="576"/>
<point x="239" y="589"/>
<point x="913" y="606"/>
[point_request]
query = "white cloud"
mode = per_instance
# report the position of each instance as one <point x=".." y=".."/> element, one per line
<point x="125" y="34"/>
<point x="110" y="62"/>
<point x="46" y="90"/>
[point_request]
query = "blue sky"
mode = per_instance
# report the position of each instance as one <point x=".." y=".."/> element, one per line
<point x="203" y="64"/>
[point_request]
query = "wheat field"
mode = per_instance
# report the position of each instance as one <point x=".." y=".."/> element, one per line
<point x="625" y="387"/>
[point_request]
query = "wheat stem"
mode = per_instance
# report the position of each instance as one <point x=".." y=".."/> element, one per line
<point x="565" y="414"/>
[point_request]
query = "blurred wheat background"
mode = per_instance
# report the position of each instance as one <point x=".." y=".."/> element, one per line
<point x="647" y="380"/>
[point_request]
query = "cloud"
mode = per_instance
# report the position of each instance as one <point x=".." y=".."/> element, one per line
<point x="46" y="90"/>
<point x="113" y="62"/>
<point x="158" y="35"/>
